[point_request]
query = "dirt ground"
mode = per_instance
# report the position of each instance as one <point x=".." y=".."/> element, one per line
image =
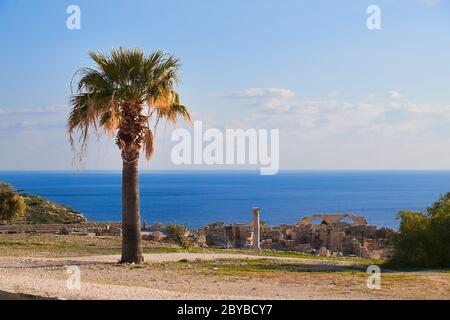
<point x="40" y="265"/>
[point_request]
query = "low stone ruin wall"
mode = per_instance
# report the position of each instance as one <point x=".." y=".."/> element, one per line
<point x="331" y="237"/>
<point x="94" y="228"/>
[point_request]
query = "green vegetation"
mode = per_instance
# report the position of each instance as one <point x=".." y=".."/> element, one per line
<point x="57" y="246"/>
<point x="29" y="209"/>
<point x="180" y="235"/>
<point x="40" y="210"/>
<point x="295" y="254"/>
<point x="360" y="262"/>
<point x="423" y="239"/>
<point x="248" y="267"/>
<point x="12" y="206"/>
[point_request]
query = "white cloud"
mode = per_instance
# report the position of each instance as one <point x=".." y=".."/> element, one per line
<point x="318" y="133"/>
<point x="354" y="120"/>
<point x="20" y="119"/>
<point x="333" y="93"/>
<point x="394" y="94"/>
<point x="366" y="134"/>
<point x="430" y="2"/>
<point x="264" y="92"/>
<point x="37" y="110"/>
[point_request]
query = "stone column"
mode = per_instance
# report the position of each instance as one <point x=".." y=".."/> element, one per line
<point x="256" y="229"/>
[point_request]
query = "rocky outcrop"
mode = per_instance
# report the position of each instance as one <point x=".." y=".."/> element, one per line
<point x="44" y="211"/>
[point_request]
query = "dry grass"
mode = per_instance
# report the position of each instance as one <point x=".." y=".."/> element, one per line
<point x="269" y="277"/>
<point x="63" y="246"/>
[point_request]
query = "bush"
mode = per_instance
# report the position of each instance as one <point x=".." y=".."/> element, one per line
<point x="423" y="239"/>
<point x="12" y="205"/>
<point x="180" y="235"/>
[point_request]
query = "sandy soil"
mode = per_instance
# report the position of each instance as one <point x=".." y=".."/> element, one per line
<point x="165" y="277"/>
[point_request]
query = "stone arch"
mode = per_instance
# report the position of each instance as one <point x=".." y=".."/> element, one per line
<point x="333" y="219"/>
<point x="346" y="220"/>
<point x="317" y="221"/>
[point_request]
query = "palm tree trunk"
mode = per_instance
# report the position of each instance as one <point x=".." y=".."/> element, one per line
<point x="131" y="224"/>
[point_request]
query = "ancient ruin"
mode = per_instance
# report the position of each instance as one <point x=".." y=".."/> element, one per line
<point x="256" y="229"/>
<point x="331" y="236"/>
<point x="320" y="234"/>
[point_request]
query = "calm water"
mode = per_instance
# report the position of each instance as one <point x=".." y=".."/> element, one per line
<point x="198" y="198"/>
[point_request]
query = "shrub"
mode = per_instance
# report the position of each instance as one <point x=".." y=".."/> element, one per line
<point x="180" y="235"/>
<point x="423" y="239"/>
<point x="12" y="205"/>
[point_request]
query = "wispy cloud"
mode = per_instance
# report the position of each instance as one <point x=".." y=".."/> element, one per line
<point x="33" y="111"/>
<point x="394" y="94"/>
<point x="264" y="93"/>
<point x="14" y="121"/>
<point x="323" y="119"/>
<point x="430" y="2"/>
<point x="333" y="93"/>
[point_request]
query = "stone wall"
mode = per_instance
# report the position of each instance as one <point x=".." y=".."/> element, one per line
<point x="227" y="236"/>
<point x="331" y="237"/>
<point x="95" y="228"/>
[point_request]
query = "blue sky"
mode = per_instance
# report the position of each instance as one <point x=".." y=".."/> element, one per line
<point x="343" y="97"/>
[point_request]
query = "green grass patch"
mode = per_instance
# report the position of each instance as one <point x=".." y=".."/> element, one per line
<point x="19" y="243"/>
<point x="254" y="267"/>
<point x="157" y="250"/>
<point x="54" y="245"/>
<point x="281" y="254"/>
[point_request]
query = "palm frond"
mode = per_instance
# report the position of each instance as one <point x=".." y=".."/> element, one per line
<point x="122" y="84"/>
<point x="149" y="143"/>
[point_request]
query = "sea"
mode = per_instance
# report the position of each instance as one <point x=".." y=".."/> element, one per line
<point x="196" y="198"/>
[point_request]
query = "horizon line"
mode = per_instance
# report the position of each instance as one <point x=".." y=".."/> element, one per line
<point x="224" y="170"/>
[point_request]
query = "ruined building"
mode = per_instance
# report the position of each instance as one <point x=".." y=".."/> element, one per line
<point x="333" y="235"/>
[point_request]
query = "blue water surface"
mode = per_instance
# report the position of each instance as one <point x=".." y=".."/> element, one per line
<point x="197" y="198"/>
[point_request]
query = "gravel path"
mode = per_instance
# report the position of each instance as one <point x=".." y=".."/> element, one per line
<point x="172" y="257"/>
<point x="36" y="276"/>
<point x="57" y="288"/>
<point x="102" y="278"/>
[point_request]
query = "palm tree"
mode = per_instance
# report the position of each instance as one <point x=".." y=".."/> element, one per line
<point x="126" y="93"/>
